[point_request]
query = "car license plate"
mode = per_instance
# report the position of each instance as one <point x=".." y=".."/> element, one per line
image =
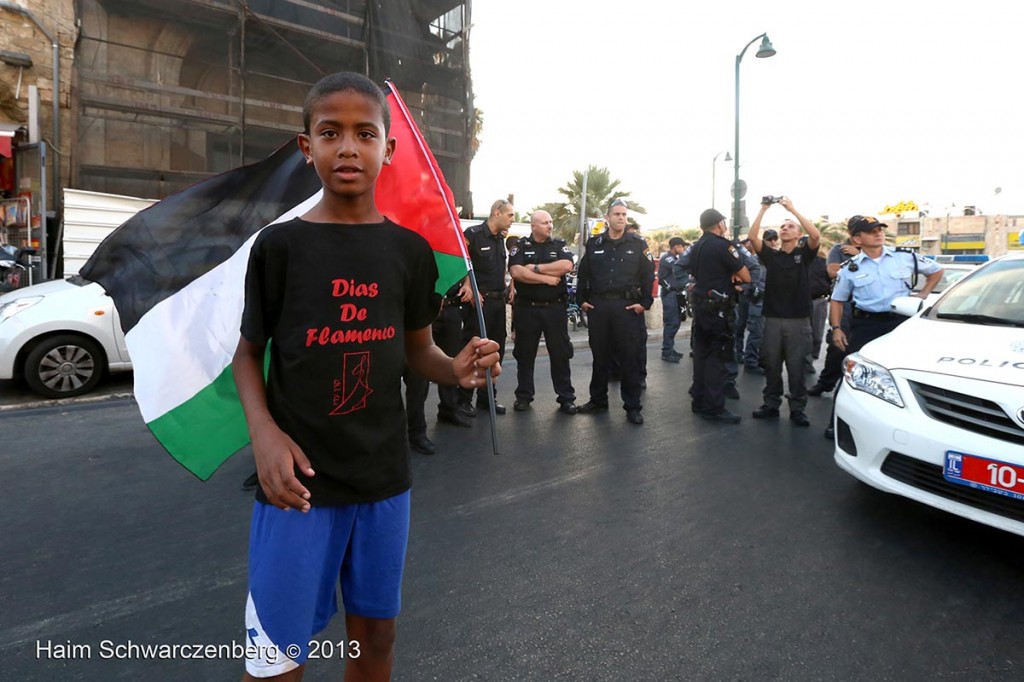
<point x="982" y="473"/>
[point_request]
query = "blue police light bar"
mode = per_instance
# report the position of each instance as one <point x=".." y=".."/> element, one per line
<point x="960" y="258"/>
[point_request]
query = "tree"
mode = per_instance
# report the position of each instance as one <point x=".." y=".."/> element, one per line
<point x="831" y="233"/>
<point x="601" y="191"/>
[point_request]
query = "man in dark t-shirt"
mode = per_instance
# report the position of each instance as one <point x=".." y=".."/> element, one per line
<point x="787" y="311"/>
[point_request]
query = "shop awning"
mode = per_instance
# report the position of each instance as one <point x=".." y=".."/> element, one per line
<point x="7" y="131"/>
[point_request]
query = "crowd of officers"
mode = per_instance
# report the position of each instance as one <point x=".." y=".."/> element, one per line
<point x="761" y="302"/>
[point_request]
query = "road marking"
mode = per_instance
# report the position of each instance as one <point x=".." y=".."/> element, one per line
<point x="510" y="496"/>
<point x="57" y="627"/>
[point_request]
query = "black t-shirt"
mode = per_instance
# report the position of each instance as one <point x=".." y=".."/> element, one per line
<point x="528" y="253"/>
<point x="712" y="262"/>
<point x="821" y="283"/>
<point x="787" y="289"/>
<point x="334" y="302"/>
<point x="487" y="252"/>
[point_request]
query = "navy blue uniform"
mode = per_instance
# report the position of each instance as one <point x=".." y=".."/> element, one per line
<point x="613" y="274"/>
<point x="539" y="309"/>
<point x="673" y="288"/>
<point x="487" y="253"/>
<point x="447" y="330"/>
<point x="712" y="261"/>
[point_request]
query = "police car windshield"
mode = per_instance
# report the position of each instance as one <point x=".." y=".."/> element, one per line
<point x="993" y="295"/>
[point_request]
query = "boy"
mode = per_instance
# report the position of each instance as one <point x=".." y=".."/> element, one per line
<point x="347" y="298"/>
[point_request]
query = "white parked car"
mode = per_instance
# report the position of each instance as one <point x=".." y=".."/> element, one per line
<point x="60" y="337"/>
<point x="951" y="274"/>
<point x="934" y="411"/>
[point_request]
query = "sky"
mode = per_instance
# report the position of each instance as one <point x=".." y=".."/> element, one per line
<point x="864" y="105"/>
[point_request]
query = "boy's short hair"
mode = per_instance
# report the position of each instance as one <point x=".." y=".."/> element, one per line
<point x="340" y="82"/>
<point x="676" y="241"/>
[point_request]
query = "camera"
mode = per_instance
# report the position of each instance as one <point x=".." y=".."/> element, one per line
<point x="771" y="199"/>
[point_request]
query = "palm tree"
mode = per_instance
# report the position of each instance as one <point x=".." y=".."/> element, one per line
<point x="601" y="191"/>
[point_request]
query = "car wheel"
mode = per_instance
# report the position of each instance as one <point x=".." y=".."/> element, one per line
<point x="64" y="366"/>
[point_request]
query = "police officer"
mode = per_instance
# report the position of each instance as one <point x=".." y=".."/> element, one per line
<point x="538" y="264"/>
<point x="832" y="371"/>
<point x="732" y="365"/>
<point x="486" y="245"/>
<point x="416" y="389"/>
<point x="615" y="283"/>
<point x="715" y="264"/>
<point x="749" y="322"/>
<point x="673" y="288"/>
<point x="871" y="280"/>
<point x="447" y="330"/>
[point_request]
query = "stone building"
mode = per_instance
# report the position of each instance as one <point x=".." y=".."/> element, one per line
<point x="155" y="95"/>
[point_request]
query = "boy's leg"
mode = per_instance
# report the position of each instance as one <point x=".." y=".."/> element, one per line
<point x="294" y="561"/>
<point x="376" y="637"/>
<point x="371" y="584"/>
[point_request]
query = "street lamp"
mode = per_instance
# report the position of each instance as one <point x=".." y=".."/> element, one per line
<point x="765" y="50"/>
<point x="713" y="165"/>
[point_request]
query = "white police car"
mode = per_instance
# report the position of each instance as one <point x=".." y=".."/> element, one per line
<point x="934" y="411"/>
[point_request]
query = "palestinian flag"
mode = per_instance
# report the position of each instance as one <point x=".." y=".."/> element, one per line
<point x="176" y="273"/>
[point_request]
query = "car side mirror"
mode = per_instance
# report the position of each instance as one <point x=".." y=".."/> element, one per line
<point x="907" y="306"/>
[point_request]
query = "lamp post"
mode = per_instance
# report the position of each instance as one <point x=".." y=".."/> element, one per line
<point x="764" y="51"/>
<point x="713" y="166"/>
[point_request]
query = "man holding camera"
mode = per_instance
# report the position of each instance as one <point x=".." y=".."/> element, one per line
<point x="717" y="268"/>
<point x="787" y="310"/>
<point x="673" y="291"/>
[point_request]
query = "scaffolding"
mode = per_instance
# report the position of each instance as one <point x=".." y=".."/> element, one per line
<point x="168" y="92"/>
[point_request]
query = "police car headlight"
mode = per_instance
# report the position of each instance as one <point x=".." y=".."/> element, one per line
<point x="16" y="306"/>
<point x="873" y="379"/>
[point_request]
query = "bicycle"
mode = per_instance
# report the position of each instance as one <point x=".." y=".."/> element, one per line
<point x="577" y="317"/>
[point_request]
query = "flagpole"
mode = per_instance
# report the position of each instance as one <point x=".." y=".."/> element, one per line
<point x="469" y="262"/>
<point x="478" y="304"/>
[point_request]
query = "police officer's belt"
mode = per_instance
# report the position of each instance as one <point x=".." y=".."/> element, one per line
<point x="629" y="295"/>
<point x="539" y="304"/>
<point x="448" y="301"/>
<point x="866" y="315"/>
<point x="493" y="294"/>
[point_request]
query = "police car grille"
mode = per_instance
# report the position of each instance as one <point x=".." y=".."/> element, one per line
<point x="967" y="412"/>
<point x="928" y="477"/>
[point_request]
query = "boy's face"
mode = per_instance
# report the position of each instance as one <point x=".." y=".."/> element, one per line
<point x="346" y="143"/>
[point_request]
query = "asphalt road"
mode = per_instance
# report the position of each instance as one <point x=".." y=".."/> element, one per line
<point x="588" y="549"/>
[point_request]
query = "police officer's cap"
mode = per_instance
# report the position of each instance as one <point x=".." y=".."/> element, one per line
<point x="859" y="223"/>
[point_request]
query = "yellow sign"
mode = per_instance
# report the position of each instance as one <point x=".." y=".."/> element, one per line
<point x="596" y="226"/>
<point x="909" y="242"/>
<point x="902" y="207"/>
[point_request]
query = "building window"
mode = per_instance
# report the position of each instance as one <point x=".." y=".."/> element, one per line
<point x="908" y="228"/>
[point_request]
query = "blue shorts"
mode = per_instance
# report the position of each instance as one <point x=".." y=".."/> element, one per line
<point x="295" y="562"/>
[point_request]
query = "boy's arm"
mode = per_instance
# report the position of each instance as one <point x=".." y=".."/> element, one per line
<point x="275" y="452"/>
<point x="466" y="369"/>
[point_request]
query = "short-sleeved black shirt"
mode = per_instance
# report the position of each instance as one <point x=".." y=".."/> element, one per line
<point x="487" y="252"/>
<point x="613" y="266"/>
<point x="787" y="289"/>
<point x="528" y="252"/>
<point x="712" y="262"/>
<point x="334" y="302"/>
